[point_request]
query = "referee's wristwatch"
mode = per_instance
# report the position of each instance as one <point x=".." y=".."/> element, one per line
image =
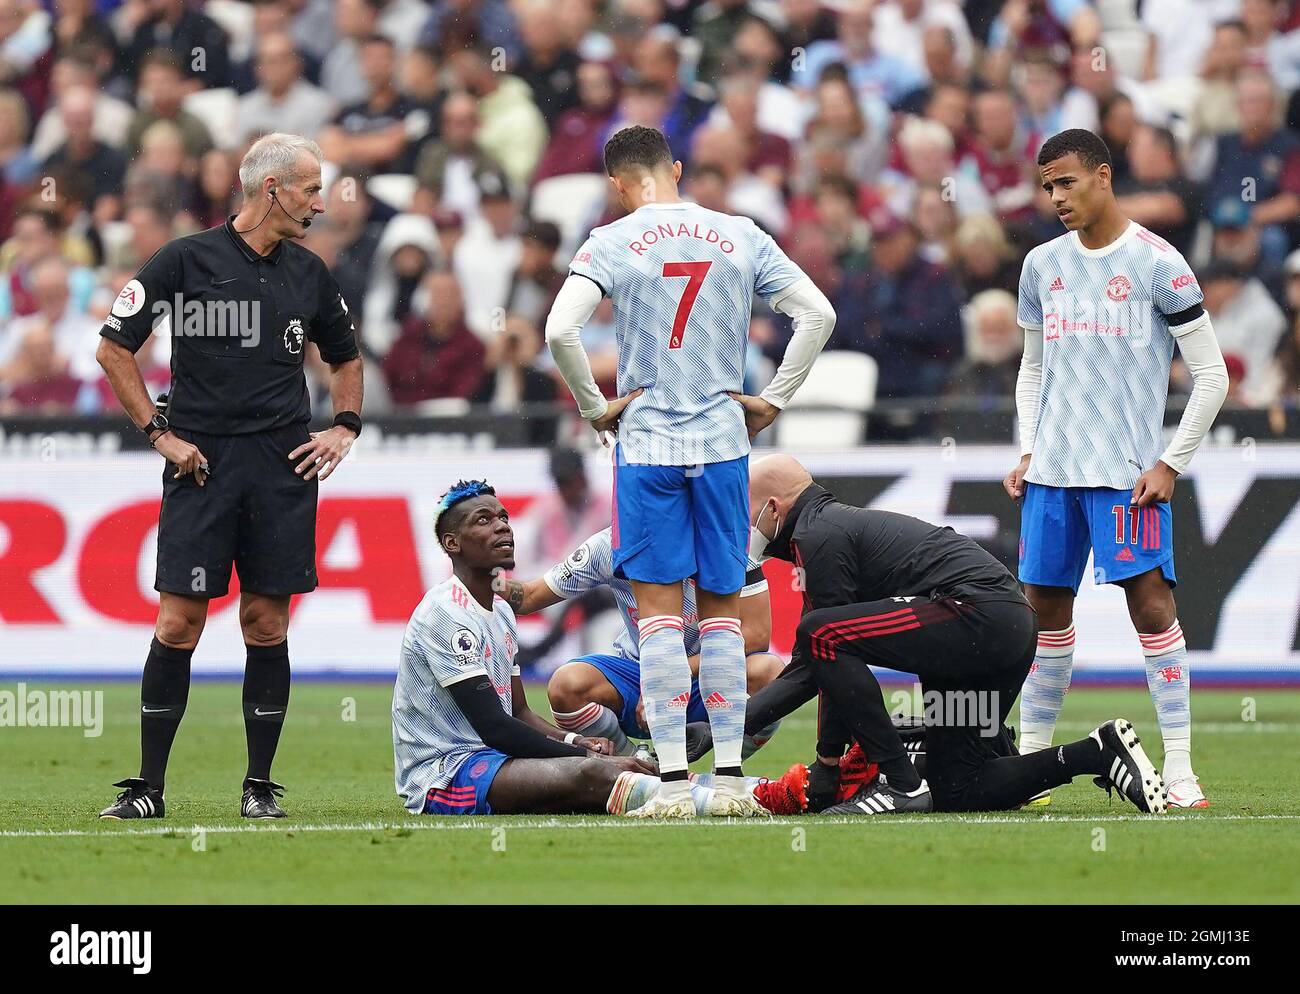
<point x="158" y="423"/>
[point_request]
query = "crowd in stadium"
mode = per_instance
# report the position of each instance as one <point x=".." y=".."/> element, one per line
<point x="888" y="146"/>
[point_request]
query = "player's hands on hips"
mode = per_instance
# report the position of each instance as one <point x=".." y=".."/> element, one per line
<point x="608" y="422"/>
<point x="823" y="782"/>
<point x="187" y="457"/>
<point x="323" y="453"/>
<point x="1155" y="486"/>
<point x="759" y="413"/>
<point x="1014" y="484"/>
<point x="594" y="743"/>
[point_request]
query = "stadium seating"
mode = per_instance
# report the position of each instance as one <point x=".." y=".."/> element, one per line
<point x="849" y="378"/>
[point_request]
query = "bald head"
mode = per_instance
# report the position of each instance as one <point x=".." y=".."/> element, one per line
<point x="778" y="481"/>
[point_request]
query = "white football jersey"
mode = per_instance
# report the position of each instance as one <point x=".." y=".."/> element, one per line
<point x="1105" y="318"/>
<point x="592" y="565"/>
<point x="450" y="637"/>
<point x="682" y="280"/>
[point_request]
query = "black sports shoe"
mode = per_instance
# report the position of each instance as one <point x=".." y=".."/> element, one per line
<point x="137" y="800"/>
<point x="878" y="798"/>
<point x="1129" y="771"/>
<point x="260" y="799"/>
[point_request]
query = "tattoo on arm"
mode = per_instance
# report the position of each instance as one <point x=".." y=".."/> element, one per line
<point x="514" y="595"/>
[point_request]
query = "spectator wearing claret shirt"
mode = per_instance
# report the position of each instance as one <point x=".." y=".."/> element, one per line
<point x="436" y="356"/>
<point x="26" y="49"/>
<point x="37" y="236"/>
<point x="577" y="139"/>
<point x="1002" y="157"/>
<point x="926" y="160"/>
<point x="872" y="72"/>
<point x="37" y="379"/>
<point x="75" y="332"/>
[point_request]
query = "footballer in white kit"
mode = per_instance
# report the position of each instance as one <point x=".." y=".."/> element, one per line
<point x="1103" y="307"/>
<point x="464" y="739"/>
<point x="682" y="280"/>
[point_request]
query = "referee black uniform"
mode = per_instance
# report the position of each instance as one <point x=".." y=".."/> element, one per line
<point x="890" y="590"/>
<point x="240" y="323"/>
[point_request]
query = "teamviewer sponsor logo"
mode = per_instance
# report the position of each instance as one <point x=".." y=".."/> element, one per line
<point x="100" y="948"/>
<point x="27" y="708"/>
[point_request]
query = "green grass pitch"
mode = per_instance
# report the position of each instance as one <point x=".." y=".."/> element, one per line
<point x="349" y="840"/>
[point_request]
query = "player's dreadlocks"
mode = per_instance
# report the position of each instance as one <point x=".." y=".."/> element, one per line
<point x="460" y="491"/>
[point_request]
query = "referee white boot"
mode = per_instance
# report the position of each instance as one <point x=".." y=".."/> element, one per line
<point x="673" y="800"/>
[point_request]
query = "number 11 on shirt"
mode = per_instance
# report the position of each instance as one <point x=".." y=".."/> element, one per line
<point x="696" y="271"/>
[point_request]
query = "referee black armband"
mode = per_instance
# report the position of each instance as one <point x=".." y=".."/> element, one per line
<point x="350" y="420"/>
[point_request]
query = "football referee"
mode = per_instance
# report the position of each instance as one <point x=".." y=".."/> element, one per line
<point x="241" y="474"/>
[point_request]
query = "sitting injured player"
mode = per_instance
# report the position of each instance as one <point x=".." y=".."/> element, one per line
<point x="464" y="739"/>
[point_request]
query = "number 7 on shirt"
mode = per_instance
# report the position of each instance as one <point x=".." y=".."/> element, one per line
<point x="696" y="271"/>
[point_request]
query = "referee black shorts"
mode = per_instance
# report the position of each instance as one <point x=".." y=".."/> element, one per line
<point x="253" y="513"/>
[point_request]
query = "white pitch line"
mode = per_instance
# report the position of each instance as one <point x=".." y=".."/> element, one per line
<point x="469" y="824"/>
<point x="1209" y="727"/>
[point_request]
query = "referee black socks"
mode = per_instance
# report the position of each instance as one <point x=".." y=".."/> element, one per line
<point x="266" y="699"/>
<point x="164" y="691"/>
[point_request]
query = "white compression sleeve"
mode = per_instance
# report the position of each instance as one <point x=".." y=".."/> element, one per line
<point x="573" y="307"/>
<point x="1200" y="351"/>
<point x="1029" y="388"/>
<point x="814" y="320"/>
